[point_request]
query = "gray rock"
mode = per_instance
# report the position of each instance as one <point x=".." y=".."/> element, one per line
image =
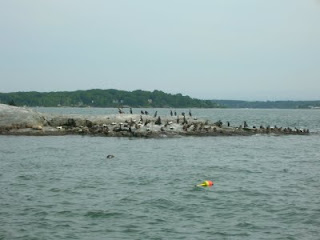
<point x="18" y="117"/>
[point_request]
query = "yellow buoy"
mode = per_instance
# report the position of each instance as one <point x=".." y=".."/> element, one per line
<point x="207" y="183"/>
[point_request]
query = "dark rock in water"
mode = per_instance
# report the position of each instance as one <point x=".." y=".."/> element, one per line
<point x="89" y="124"/>
<point x="71" y="123"/>
<point x="219" y="123"/>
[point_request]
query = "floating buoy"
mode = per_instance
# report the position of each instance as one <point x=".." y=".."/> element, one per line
<point x="206" y="184"/>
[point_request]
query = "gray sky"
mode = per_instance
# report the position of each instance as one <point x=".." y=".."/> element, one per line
<point x="208" y="49"/>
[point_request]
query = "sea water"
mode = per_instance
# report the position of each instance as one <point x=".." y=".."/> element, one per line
<point x="64" y="187"/>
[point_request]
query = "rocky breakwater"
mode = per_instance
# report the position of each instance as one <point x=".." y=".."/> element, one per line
<point x="25" y="121"/>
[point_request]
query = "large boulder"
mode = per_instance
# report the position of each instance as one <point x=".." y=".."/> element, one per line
<point x="18" y="117"/>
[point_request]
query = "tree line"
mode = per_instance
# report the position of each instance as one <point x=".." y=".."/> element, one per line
<point x="104" y="98"/>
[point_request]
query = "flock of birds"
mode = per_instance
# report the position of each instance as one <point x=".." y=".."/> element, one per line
<point x="142" y="112"/>
<point x="218" y="123"/>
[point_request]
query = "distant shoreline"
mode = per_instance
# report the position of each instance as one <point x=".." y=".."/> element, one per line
<point x="112" y="98"/>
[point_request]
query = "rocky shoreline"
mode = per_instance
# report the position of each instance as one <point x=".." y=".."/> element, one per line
<point x="27" y="122"/>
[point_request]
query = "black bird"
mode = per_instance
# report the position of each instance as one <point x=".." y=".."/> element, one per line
<point x="158" y="121"/>
<point x="185" y="120"/>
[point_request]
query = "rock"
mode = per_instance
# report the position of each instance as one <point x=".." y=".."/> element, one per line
<point x="18" y="117"/>
<point x="25" y="121"/>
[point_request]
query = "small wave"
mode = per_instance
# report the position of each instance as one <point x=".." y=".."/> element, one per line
<point x="55" y="190"/>
<point x="246" y="225"/>
<point x="6" y="152"/>
<point x="26" y="177"/>
<point x="103" y="214"/>
<point x="40" y="214"/>
<point x="131" y="228"/>
<point x="65" y="212"/>
<point x="162" y="203"/>
<point x="127" y="199"/>
<point x="228" y="234"/>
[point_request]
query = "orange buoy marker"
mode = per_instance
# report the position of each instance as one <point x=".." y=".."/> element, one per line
<point x="206" y="184"/>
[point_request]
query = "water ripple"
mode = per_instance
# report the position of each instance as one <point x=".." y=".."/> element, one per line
<point x="266" y="187"/>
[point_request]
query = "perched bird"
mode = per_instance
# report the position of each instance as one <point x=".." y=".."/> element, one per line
<point x="158" y="121"/>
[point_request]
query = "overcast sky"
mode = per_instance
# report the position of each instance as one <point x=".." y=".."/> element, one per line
<point x="208" y="49"/>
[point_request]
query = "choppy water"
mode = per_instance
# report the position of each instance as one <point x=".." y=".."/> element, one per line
<point x="266" y="187"/>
